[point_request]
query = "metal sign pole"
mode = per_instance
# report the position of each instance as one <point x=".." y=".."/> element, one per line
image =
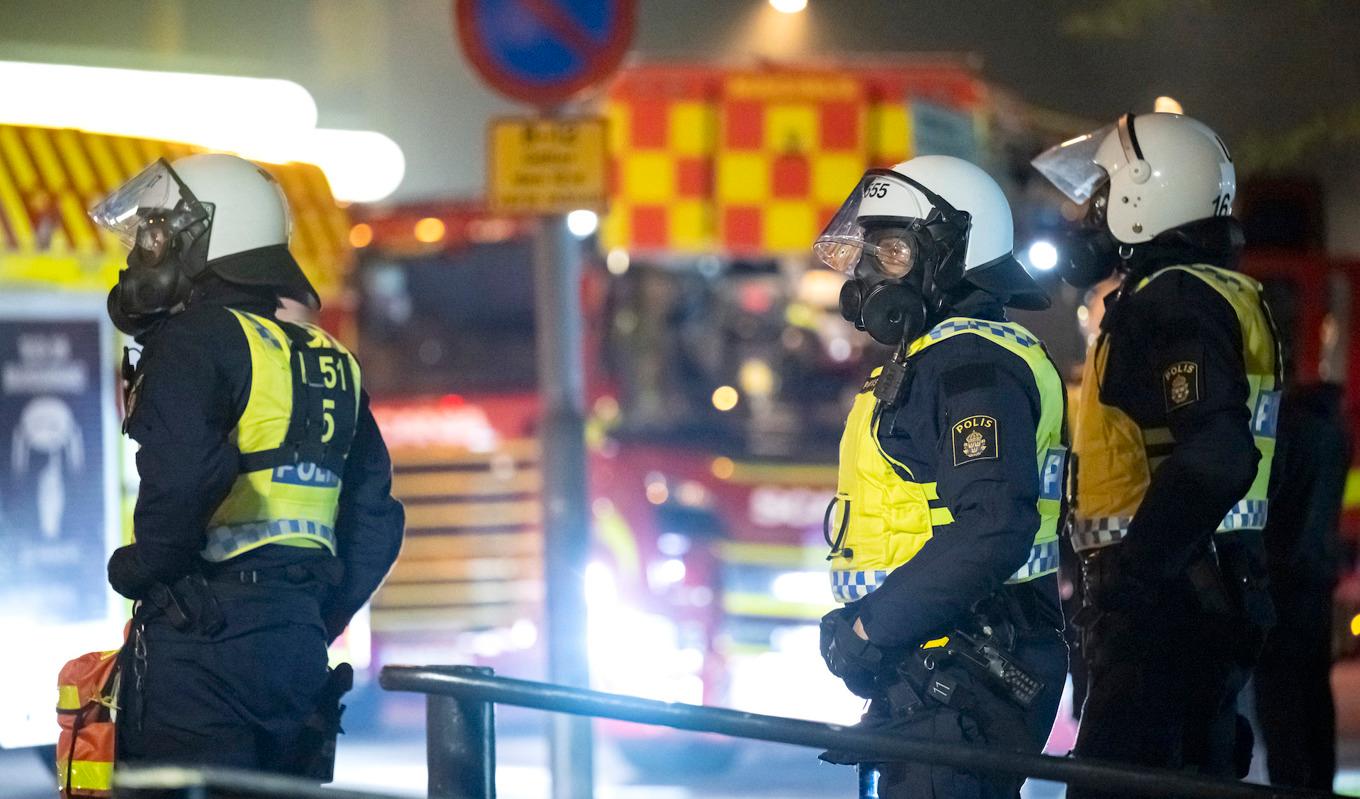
<point x="561" y="390"/>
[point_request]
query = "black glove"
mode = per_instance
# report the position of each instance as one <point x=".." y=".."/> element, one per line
<point x="128" y="575"/>
<point x="853" y="659"/>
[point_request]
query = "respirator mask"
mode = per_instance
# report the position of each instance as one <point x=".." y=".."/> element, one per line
<point x="166" y="229"/>
<point x="1091" y="253"/>
<point x="899" y="266"/>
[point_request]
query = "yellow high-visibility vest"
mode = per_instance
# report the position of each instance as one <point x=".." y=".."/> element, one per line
<point x="883" y="520"/>
<point x="1115" y="458"/>
<point x="293" y="437"/>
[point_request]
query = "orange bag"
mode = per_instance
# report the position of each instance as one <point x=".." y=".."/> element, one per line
<point x="86" y="693"/>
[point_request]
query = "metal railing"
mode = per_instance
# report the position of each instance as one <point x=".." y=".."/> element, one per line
<point x="174" y="782"/>
<point x="460" y="738"/>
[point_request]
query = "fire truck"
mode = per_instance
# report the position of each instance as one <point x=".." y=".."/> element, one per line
<point x="719" y="373"/>
<point x="67" y="479"/>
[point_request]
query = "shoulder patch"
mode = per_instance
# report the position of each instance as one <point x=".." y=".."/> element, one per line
<point x="975" y="439"/>
<point x="1180" y="384"/>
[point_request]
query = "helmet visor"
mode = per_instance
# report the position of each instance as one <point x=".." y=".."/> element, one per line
<point x="1071" y="166"/>
<point x="150" y="208"/>
<point x="877" y="199"/>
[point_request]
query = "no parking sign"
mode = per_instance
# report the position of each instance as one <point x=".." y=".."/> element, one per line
<point x="544" y="51"/>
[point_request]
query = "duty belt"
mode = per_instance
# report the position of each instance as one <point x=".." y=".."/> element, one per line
<point x="847" y="585"/>
<point x="229" y="540"/>
<point x="1102" y="531"/>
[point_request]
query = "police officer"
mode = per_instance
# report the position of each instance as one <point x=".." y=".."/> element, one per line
<point x="1173" y="444"/>
<point x="943" y="531"/>
<point x="264" y="518"/>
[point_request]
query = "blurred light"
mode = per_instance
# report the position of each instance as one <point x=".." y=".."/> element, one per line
<point x="582" y="223"/>
<point x="800" y="587"/>
<point x="600" y="587"/>
<point x="672" y="545"/>
<point x="789" y="6"/>
<point x="756" y="377"/>
<point x="361" y="235"/>
<point x="362" y="166"/>
<point x="1355" y="625"/>
<point x="667" y="572"/>
<point x="691" y="494"/>
<point x="722" y="468"/>
<point x="429" y="230"/>
<point x="839" y="349"/>
<point x="263" y="119"/>
<point x="217" y="111"/>
<point x="606" y="408"/>
<point x="1167" y="105"/>
<point x="1043" y="255"/>
<point x="487" y="231"/>
<point x="657" y="493"/>
<point x="523" y="634"/>
<point x="617" y="261"/>
<point x="820" y="288"/>
<point x="725" y="398"/>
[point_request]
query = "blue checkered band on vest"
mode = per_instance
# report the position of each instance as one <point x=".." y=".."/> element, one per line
<point x="224" y="542"/>
<point x="848" y="585"/>
<point x="1248" y="514"/>
<point x="1043" y="558"/>
<point x="1004" y="331"/>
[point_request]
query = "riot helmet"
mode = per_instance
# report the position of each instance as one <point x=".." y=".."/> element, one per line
<point x="209" y="213"/>
<point x="908" y="237"/>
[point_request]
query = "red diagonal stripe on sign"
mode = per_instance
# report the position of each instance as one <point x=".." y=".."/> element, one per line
<point x="570" y="32"/>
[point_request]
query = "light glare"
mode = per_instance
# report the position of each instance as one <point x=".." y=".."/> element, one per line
<point x="788" y="6"/>
<point x="725" y="398"/>
<point x="1043" y="255"/>
<point x="582" y="223"/>
<point x="263" y="119"/>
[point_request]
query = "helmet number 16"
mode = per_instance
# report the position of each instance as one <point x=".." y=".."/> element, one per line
<point x="1222" y="205"/>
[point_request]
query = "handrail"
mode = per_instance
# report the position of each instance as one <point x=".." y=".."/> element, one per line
<point x="472" y="686"/>
<point x="204" y="783"/>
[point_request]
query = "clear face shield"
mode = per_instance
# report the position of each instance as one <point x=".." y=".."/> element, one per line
<point x="1071" y="166"/>
<point x="150" y="211"/>
<point x="878" y="219"/>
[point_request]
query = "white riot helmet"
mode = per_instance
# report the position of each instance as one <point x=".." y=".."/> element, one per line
<point x="1162" y="171"/>
<point x="909" y="234"/>
<point x="203" y="213"/>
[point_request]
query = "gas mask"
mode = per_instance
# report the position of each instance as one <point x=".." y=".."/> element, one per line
<point x="1092" y="254"/>
<point x="900" y="268"/>
<point x="167" y="231"/>
<point x="885" y="298"/>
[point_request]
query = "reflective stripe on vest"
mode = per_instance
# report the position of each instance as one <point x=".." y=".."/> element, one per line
<point x="295" y="503"/>
<point x="231" y="540"/>
<point x="888" y="516"/>
<point x="1248" y="514"/>
<point x="1115" y="459"/>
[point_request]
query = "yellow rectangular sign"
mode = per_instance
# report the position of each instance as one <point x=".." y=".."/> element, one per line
<point x="547" y="166"/>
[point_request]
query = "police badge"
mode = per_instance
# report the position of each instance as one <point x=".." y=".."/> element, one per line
<point x="1180" y="384"/>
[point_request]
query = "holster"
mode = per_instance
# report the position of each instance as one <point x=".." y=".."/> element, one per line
<point x="314" y="752"/>
<point x="189" y="605"/>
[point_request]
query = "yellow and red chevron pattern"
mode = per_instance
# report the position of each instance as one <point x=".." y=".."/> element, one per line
<point x="49" y="177"/>
<point x="755" y="161"/>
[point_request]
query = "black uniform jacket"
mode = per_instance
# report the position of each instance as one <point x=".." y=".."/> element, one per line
<point x="195" y="374"/>
<point x="1176" y="318"/>
<point x="993" y="500"/>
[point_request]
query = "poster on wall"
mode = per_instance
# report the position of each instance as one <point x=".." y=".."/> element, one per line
<point x="57" y="470"/>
